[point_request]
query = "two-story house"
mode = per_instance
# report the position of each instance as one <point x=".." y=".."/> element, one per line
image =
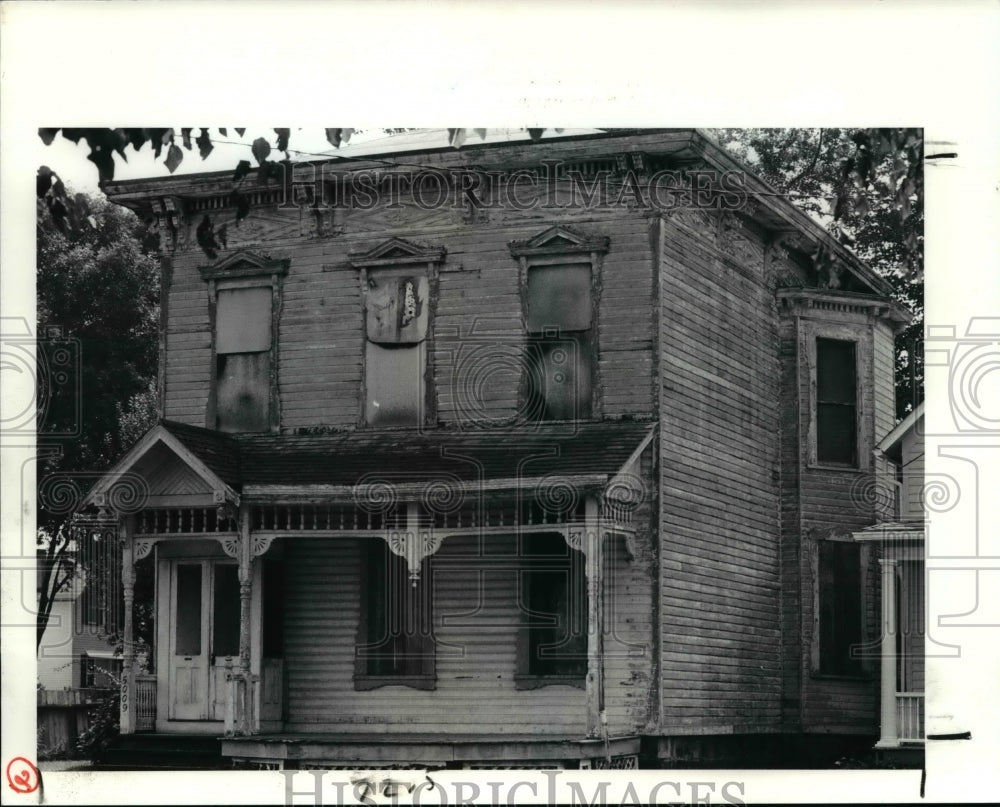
<point x="515" y="454"/>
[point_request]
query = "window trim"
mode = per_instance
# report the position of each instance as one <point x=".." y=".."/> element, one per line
<point x="245" y="270"/>
<point x="400" y="257"/>
<point x="364" y="680"/>
<point x="551" y="247"/>
<point x="814" y="332"/>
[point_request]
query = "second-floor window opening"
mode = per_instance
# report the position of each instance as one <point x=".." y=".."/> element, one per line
<point x="836" y="402"/>
<point x="559" y="352"/>
<point x="243" y="359"/>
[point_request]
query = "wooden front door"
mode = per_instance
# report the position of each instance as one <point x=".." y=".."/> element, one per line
<point x="204" y="637"/>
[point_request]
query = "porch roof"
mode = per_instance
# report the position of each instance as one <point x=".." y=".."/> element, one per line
<point x="402" y="455"/>
<point x="892" y="531"/>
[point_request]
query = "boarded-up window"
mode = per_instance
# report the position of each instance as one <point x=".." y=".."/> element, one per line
<point x="395" y="351"/>
<point x="559" y="352"/>
<point x="840" y="613"/>
<point x="397" y="635"/>
<point x="836" y="402"/>
<point x="243" y="359"/>
<point x="554" y="604"/>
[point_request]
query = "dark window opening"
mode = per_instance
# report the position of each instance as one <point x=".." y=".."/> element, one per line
<point x="397" y="621"/>
<point x="836" y="402"/>
<point x="840" y="614"/>
<point x="559" y="355"/>
<point x="554" y="605"/>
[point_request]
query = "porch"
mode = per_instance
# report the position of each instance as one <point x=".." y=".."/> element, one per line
<point x="466" y="546"/>
<point x="433" y="751"/>
<point x="903" y="630"/>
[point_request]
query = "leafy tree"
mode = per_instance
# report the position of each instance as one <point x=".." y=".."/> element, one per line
<point x="98" y="306"/>
<point x="866" y="187"/>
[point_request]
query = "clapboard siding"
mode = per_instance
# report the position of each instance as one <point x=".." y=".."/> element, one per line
<point x="719" y="526"/>
<point x="476" y="337"/>
<point x="819" y="502"/>
<point x="476" y="622"/>
<point x="630" y="612"/>
<point x="884" y="381"/>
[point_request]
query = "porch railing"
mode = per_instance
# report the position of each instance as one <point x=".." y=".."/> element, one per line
<point x="910" y="716"/>
<point x="145" y="702"/>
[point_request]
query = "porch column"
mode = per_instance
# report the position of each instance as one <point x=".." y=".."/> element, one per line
<point x="593" y="546"/>
<point x="889" y="737"/>
<point x="128" y="711"/>
<point x="243" y="695"/>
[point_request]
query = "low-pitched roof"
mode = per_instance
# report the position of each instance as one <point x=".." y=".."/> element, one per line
<point x="359" y="457"/>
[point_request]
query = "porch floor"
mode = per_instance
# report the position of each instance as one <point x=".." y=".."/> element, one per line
<point x="421" y="749"/>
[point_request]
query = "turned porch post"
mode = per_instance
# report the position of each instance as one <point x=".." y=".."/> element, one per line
<point x="889" y="736"/>
<point x="593" y="546"/>
<point x="128" y="711"/>
<point x="246" y="722"/>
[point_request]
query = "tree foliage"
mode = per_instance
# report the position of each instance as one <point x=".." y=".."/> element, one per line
<point x="866" y="187"/>
<point x="98" y="310"/>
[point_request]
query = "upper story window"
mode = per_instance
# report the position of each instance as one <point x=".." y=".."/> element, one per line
<point x="836" y="402"/>
<point x="243" y="359"/>
<point x="244" y="298"/>
<point x="396" y="348"/>
<point x="559" y="268"/>
<point x="396" y="278"/>
<point x="559" y="352"/>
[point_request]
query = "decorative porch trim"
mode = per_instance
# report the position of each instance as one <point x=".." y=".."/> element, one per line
<point x="99" y="494"/>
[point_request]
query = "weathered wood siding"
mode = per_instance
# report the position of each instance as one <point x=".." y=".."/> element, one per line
<point x="476" y="620"/>
<point x="884" y="367"/>
<point x="818" y="502"/>
<point x="913" y="472"/>
<point x="476" y="335"/>
<point x="719" y="517"/>
<point x="630" y="608"/>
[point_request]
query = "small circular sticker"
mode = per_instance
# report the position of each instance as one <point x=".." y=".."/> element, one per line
<point x="22" y="776"/>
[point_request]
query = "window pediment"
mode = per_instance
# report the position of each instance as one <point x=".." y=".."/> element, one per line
<point x="244" y="263"/>
<point x="559" y="240"/>
<point x="395" y="252"/>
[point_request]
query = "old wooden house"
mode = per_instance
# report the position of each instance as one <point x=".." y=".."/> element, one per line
<point x="516" y="454"/>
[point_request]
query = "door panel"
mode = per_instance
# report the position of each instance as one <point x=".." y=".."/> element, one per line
<point x="204" y="638"/>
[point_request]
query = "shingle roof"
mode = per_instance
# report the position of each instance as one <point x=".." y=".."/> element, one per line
<point x="219" y="451"/>
<point x="356" y="457"/>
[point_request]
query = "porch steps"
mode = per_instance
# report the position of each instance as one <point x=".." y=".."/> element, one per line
<point x="163" y="752"/>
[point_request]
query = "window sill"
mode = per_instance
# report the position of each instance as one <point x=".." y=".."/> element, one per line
<point x="830" y="466"/>
<point x="539" y="681"/>
<point x="369" y="682"/>
<point x="861" y="678"/>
